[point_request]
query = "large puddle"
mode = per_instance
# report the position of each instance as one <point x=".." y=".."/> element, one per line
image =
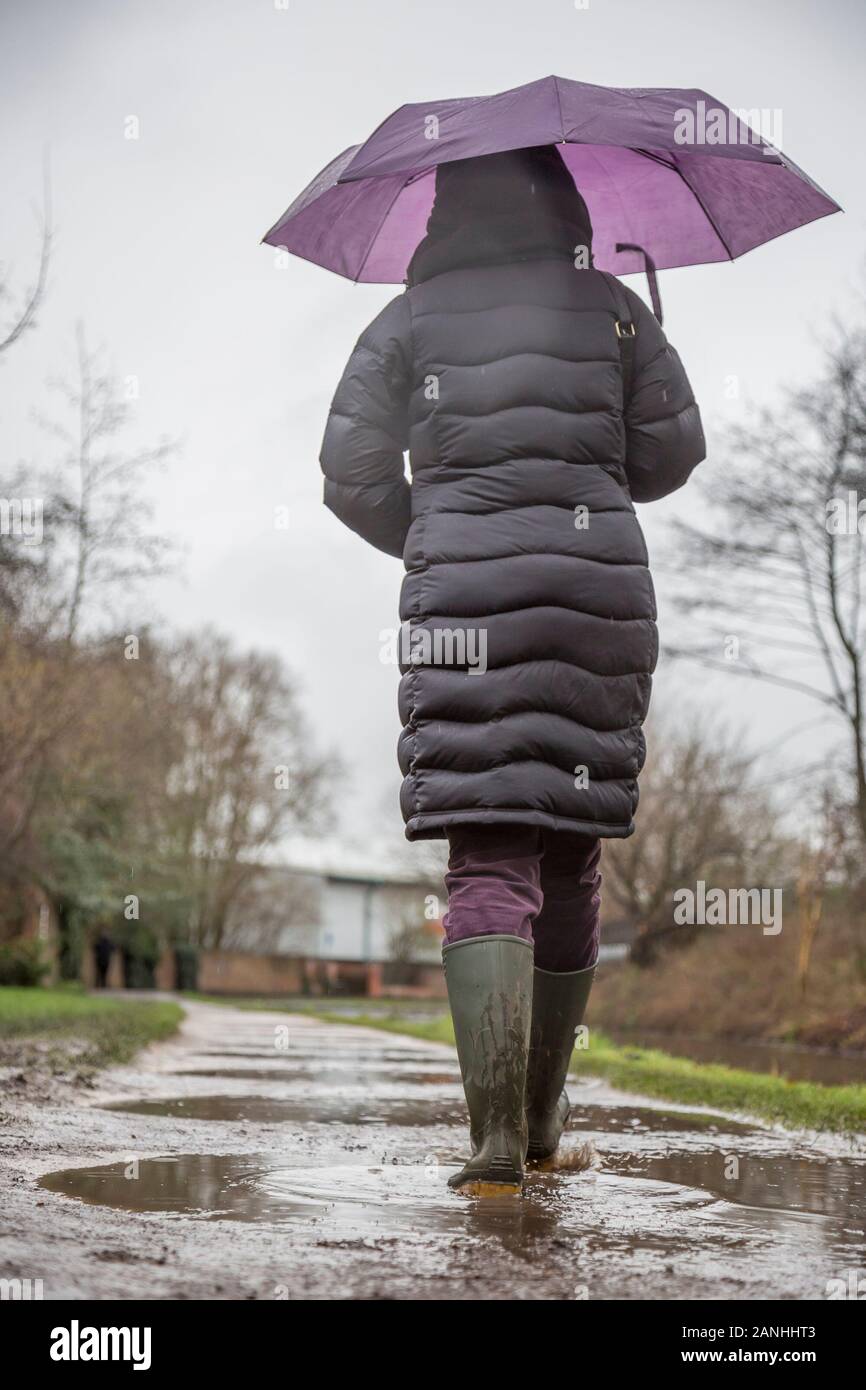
<point x="401" y="1102"/>
<point x="358" y="1105"/>
<point x="436" y="1075"/>
<point x="362" y="1135"/>
<point x="698" y="1152"/>
<point x="358" y="1198"/>
<point x="833" y="1188"/>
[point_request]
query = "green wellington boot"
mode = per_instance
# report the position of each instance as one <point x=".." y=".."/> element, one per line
<point x="489" y="981"/>
<point x="558" y="1006"/>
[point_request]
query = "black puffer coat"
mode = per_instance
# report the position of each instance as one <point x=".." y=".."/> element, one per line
<point x="499" y="369"/>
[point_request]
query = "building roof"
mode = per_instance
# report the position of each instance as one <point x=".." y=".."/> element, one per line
<point x="336" y="859"/>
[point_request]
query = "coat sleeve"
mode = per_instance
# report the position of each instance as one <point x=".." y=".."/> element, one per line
<point x="664" y="436"/>
<point x="368" y="431"/>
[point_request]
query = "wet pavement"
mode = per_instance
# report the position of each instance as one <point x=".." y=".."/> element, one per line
<point x="309" y="1160"/>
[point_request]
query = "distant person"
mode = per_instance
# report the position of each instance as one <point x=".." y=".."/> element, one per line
<point x="539" y="400"/>
<point x="102" y="952"/>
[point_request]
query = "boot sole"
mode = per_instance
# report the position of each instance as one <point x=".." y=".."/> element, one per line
<point x="498" y="1177"/>
<point x="480" y="1187"/>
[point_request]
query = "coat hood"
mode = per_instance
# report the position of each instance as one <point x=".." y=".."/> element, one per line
<point x="516" y="206"/>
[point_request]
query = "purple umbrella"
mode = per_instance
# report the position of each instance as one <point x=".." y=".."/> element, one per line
<point x="671" y="177"/>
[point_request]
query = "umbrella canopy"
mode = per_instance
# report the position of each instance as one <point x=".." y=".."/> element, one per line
<point x="667" y="171"/>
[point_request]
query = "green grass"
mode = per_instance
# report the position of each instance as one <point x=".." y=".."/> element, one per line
<point x="347" y="1006"/>
<point x="92" y="1032"/>
<point x="646" y="1071"/>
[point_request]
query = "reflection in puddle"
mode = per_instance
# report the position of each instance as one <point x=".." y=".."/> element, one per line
<point x="314" y="1056"/>
<point x="640" y="1198"/>
<point x="325" y="1077"/>
<point x="617" y="1119"/>
<point x="642" y="1119"/>
<point x="832" y="1187"/>
<point x="355" y="1107"/>
<point x="360" y="1104"/>
<point x="349" y="1200"/>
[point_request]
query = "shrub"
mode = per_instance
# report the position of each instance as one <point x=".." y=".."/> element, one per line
<point x="22" y="963"/>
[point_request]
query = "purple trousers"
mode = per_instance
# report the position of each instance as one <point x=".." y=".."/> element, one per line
<point x="542" y="885"/>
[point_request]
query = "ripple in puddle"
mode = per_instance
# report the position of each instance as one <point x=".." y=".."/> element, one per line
<point x="348" y="1201"/>
<point x="830" y="1187"/>
<point x="759" y="1192"/>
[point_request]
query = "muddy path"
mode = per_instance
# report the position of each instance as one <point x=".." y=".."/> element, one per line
<point x="266" y="1155"/>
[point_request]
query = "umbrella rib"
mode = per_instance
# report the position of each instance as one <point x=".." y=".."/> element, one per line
<point x="705" y="210"/>
<point x="648" y="154"/>
<point x="559" y="108"/>
<point x="616" y="191"/>
<point x="372" y="241"/>
<point x="460" y="104"/>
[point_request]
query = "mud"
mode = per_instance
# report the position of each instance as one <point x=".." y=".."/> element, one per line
<point x="317" y="1169"/>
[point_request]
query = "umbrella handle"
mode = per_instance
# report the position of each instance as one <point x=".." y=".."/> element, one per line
<point x="651" y="275"/>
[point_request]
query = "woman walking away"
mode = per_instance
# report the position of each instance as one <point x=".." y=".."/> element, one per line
<point x="538" y="399"/>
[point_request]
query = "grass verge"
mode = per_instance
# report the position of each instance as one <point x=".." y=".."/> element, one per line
<point x="66" y="1026"/>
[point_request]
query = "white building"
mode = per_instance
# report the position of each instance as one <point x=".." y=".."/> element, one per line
<point x="353" y="913"/>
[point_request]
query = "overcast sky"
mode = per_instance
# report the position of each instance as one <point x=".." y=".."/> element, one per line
<point x="240" y="103"/>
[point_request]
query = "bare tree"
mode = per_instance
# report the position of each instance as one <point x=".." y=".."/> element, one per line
<point x="95" y="541"/>
<point x="22" y="312"/>
<point x="773" y="585"/>
<point x="40" y="697"/>
<point x="824" y="862"/>
<point x="699" y="819"/>
<point x="410" y="937"/>
<point x="106" y="514"/>
<point x="275" y="909"/>
<point x="245" y="776"/>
